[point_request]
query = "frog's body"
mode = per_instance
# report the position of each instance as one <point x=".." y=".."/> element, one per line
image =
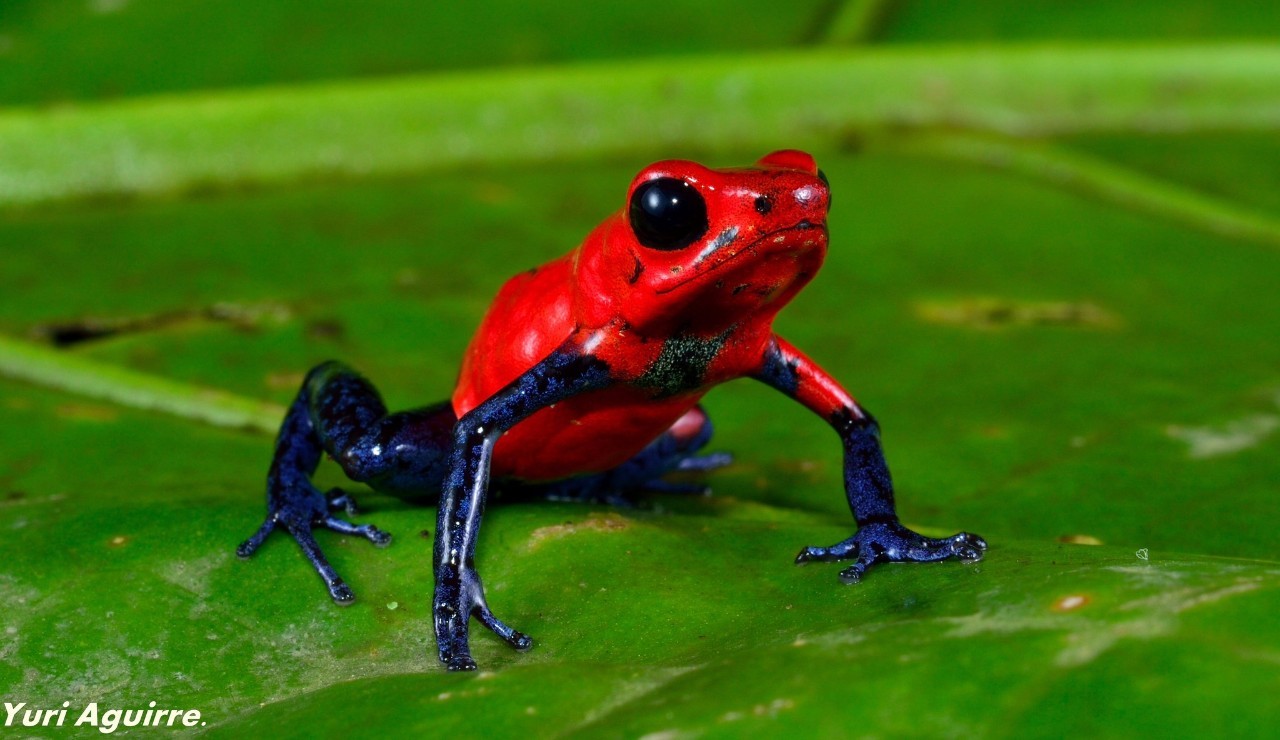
<point x="584" y="379"/>
<point x="587" y="433"/>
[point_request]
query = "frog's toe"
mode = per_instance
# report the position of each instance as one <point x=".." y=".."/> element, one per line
<point x="341" y="593"/>
<point x="514" y="638"/>
<point x="338" y="589"/>
<point x="368" y="531"/>
<point x="251" y="545"/>
<point x="863" y="556"/>
<point x="967" y="546"/>
<point x="866" y="558"/>
<point x="452" y="642"/>
<point x="709" y="461"/>
<point x="963" y="546"/>
<point x="339" y="499"/>
<point x="839" y="551"/>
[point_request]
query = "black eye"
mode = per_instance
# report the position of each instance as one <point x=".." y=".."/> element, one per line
<point x="668" y="214"/>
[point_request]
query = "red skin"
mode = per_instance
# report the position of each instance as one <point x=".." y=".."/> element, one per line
<point x="621" y="301"/>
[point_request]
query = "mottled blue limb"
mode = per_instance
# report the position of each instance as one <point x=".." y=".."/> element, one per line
<point x="459" y="594"/>
<point x="880" y="537"/>
<point x="340" y="413"/>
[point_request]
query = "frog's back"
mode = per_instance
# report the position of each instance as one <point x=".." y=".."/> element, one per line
<point x="530" y="317"/>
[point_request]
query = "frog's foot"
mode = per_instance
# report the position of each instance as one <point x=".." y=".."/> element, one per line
<point x="299" y="512"/>
<point x="458" y="597"/>
<point x="890" y="542"/>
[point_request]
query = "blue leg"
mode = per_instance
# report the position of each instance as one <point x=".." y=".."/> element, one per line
<point x="459" y="594"/>
<point x="340" y="413"/>
<point x="676" y="450"/>
<point x="881" y="537"/>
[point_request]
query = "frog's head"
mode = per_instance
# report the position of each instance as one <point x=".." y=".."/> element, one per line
<point x="702" y="249"/>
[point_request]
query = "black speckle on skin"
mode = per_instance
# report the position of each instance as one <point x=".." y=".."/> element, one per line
<point x="868" y="485"/>
<point x="741" y="288"/>
<point x="846" y="423"/>
<point x="764" y="205"/>
<point x="682" y="363"/>
<point x="639" y="270"/>
<point x="780" y="371"/>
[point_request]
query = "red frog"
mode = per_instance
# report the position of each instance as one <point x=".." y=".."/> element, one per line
<point x="584" y="378"/>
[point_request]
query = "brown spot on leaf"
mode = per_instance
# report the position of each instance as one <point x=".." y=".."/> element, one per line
<point x="326" y="329"/>
<point x="610" y="522"/>
<point x="991" y="313"/>
<point x="245" y="317"/>
<point x="1079" y="539"/>
<point x="87" y="412"/>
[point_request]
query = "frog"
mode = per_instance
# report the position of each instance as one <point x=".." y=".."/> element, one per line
<point x="585" y="379"/>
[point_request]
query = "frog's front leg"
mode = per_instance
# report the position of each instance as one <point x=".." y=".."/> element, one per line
<point x="880" y="538"/>
<point x="459" y="594"/>
<point x="339" y="412"/>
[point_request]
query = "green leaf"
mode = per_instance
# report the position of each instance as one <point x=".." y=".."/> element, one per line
<point x="1067" y="338"/>
<point x="722" y="103"/>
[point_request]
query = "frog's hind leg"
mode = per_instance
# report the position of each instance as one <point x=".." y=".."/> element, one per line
<point x="340" y="413"/>
<point x="677" y="449"/>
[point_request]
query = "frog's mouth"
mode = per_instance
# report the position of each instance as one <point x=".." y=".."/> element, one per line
<point x="723" y="249"/>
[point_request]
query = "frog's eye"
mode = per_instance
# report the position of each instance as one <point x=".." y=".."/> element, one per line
<point x="667" y="213"/>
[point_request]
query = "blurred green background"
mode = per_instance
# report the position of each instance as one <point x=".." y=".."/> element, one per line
<point x="1055" y="246"/>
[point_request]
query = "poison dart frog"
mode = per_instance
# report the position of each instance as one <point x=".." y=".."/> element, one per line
<point x="584" y="379"/>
